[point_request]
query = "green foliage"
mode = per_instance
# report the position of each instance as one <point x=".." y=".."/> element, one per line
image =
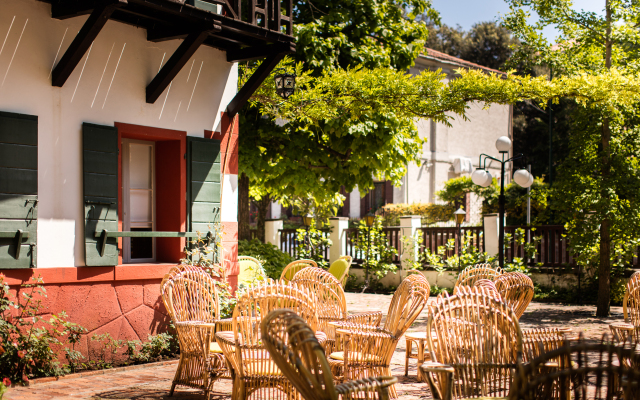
<point x="305" y="160"/>
<point x="273" y="260"/>
<point x="157" y="347"/>
<point x="104" y="351"/>
<point x="311" y="244"/>
<point x="516" y="202"/>
<point x="373" y="246"/>
<point x="429" y="213"/>
<point x="26" y="338"/>
<point x="205" y="255"/>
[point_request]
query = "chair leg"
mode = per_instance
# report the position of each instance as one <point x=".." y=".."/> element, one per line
<point x="420" y="345"/>
<point x="407" y="355"/>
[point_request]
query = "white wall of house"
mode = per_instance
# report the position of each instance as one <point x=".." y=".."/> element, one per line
<point x="119" y="65"/>
<point x="464" y="138"/>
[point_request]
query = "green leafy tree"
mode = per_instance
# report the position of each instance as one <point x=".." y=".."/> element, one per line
<point x="601" y="172"/>
<point x="298" y="159"/>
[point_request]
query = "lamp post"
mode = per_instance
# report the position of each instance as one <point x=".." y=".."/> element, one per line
<point x="460" y="214"/>
<point x="483" y="178"/>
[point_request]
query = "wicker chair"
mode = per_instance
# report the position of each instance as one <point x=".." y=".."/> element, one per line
<point x="488" y="286"/>
<point x="477" y="340"/>
<point x="516" y="289"/>
<point x="302" y="360"/>
<point x="292" y="268"/>
<point x="629" y="330"/>
<point x="340" y="268"/>
<point x="251" y="271"/>
<point x="190" y="296"/>
<point x="471" y="274"/>
<point x="252" y="368"/>
<point x="538" y="341"/>
<point x="368" y="349"/>
<point x="587" y="371"/>
<point x="331" y="302"/>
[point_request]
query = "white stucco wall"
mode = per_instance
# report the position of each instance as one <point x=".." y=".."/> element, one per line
<point x="193" y="104"/>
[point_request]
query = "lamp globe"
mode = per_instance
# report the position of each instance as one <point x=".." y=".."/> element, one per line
<point x="503" y="144"/>
<point x="523" y="178"/>
<point x="479" y="176"/>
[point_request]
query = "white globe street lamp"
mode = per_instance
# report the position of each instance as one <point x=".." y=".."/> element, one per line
<point x="482" y="177"/>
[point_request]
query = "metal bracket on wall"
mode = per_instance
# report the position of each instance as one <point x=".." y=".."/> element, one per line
<point x="18" y="235"/>
<point x="104" y="234"/>
<point x="100" y="203"/>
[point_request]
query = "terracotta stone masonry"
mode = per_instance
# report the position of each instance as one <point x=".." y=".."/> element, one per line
<point x="154" y="381"/>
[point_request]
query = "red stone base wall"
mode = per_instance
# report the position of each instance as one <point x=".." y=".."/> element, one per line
<point x="123" y="301"/>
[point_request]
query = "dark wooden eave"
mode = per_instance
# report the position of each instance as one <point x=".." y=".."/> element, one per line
<point x="170" y="20"/>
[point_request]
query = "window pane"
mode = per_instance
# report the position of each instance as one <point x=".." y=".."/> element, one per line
<point x="141" y="209"/>
<point x="140" y="166"/>
<point x="141" y="247"/>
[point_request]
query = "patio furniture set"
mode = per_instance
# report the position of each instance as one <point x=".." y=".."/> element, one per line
<point x="293" y="338"/>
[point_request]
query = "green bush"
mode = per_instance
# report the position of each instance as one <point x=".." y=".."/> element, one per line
<point x="273" y="260"/>
<point x="26" y="338"/>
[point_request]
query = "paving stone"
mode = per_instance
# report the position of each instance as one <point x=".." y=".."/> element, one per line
<point x="153" y="383"/>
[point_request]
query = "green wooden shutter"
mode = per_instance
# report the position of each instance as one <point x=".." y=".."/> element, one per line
<point x="203" y="184"/>
<point x="18" y="189"/>
<point x="100" y="183"/>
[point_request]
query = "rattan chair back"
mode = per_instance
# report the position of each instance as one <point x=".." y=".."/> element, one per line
<point x="407" y="303"/>
<point x="296" y="351"/>
<point x="292" y="269"/>
<point x="631" y="302"/>
<point x="586" y="371"/>
<point x="470" y="275"/>
<point x="189" y="294"/>
<point x="478" y="340"/>
<point x="331" y="303"/>
<point x="251" y="271"/>
<point x="536" y="342"/>
<point x="516" y="289"/>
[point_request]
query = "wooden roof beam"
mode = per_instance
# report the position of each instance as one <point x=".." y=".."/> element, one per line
<point x="260" y="74"/>
<point x="178" y="60"/>
<point x="258" y="52"/>
<point x="89" y="31"/>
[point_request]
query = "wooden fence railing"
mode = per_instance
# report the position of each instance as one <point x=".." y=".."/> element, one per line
<point x="553" y="250"/>
<point x="393" y="239"/>
<point x="289" y="243"/>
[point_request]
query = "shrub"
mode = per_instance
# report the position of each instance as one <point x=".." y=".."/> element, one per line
<point x="311" y="244"/>
<point x="157" y="347"/>
<point x="429" y="213"/>
<point x="269" y="255"/>
<point x="373" y="247"/>
<point x="26" y="339"/>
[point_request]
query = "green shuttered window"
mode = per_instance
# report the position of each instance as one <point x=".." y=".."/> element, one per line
<point x="100" y="185"/>
<point x="203" y="180"/>
<point x="18" y="190"/>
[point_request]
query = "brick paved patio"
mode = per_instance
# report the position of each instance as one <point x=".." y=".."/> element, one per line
<point x="154" y="382"/>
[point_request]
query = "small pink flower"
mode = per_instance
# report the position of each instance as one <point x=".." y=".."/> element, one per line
<point x="6" y="382"/>
<point x="21" y="353"/>
<point x="25" y="378"/>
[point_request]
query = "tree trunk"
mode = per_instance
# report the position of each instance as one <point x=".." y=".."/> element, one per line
<point x="263" y="206"/>
<point x="604" y="272"/>
<point x="244" y="229"/>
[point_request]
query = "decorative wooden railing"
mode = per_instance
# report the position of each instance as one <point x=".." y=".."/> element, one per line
<point x="275" y="15"/>
<point x="393" y="238"/>
<point x="553" y="249"/>
<point x="289" y="243"/>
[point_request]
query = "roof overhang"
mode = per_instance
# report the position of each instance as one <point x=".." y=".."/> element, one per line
<point x="268" y="37"/>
